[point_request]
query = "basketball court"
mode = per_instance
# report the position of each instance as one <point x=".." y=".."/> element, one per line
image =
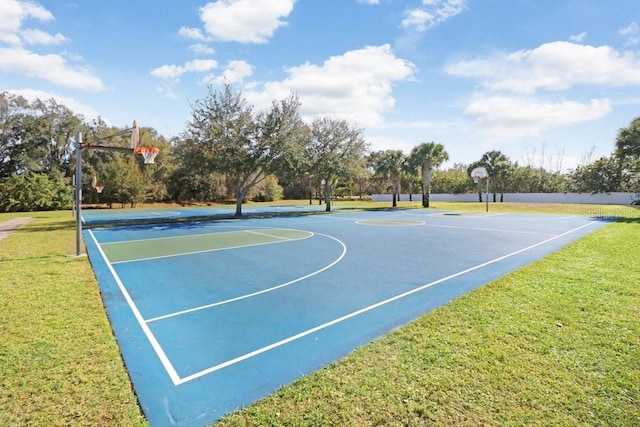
<point x="212" y="316"/>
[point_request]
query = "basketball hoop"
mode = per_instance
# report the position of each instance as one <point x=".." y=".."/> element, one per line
<point x="478" y="174"/>
<point x="149" y="153"/>
<point x="99" y="188"/>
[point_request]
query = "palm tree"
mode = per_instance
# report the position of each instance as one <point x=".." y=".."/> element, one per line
<point x="389" y="165"/>
<point x="628" y="141"/>
<point x="498" y="167"/>
<point x="425" y="157"/>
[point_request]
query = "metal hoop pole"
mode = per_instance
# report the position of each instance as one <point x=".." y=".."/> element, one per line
<point x="487" y="194"/>
<point x="78" y="194"/>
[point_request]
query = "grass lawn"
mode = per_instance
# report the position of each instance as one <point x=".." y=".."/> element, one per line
<point x="554" y="343"/>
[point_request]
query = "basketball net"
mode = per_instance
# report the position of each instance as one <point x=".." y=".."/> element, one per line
<point x="148" y="153"/>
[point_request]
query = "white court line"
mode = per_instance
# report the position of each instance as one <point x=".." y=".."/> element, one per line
<point x="270" y="235"/>
<point x="198" y="234"/>
<point x="366" y="309"/>
<point x="490" y="229"/>
<point x="211" y="250"/>
<point x="264" y="291"/>
<point x="145" y="328"/>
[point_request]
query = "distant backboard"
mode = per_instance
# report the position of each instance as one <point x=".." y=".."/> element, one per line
<point x="479" y="173"/>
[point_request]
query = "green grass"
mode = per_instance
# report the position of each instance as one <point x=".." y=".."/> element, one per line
<point x="554" y="343"/>
<point x="59" y="362"/>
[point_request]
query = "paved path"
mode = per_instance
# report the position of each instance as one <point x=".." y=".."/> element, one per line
<point x="8" y="227"/>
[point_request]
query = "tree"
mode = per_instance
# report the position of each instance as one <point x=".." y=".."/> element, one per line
<point x="243" y="146"/>
<point x="425" y="157"/>
<point x="12" y="112"/>
<point x="336" y="151"/>
<point x="455" y="180"/>
<point x="48" y="137"/>
<point x="389" y="165"/>
<point x="628" y="141"/>
<point x="602" y="176"/>
<point x="498" y="167"/>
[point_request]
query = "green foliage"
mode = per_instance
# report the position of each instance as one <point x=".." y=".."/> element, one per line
<point x="455" y="180"/>
<point x="268" y="190"/>
<point x="34" y="192"/>
<point x="243" y="146"/>
<point x="336" y="152"/>
<point x="527" y="179"/>
<point x="389" y="165"/>
<point x="424" y="158"/>
<point x="12" y="113"/>
<point x="602" y="176"/>
<point x="628" y="141"/>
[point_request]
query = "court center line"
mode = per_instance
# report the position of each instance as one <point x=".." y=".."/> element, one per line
<point x="264" y="291"/>
<point x="175" y="378"/>
<point x="369" y="308"/>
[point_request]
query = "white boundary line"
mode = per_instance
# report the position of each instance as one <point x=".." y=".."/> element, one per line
<point x="145" y="328"/>
<point x="177" y="380"/>
<point x="366" y="309"/>
<point x="494" y="230"/>
<point x="390" y="222"/>
<point x="310" y="234"/>
<point x="264" y="291"/>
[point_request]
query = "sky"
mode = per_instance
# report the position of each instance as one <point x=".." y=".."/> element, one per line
<point x="546" y="82"/>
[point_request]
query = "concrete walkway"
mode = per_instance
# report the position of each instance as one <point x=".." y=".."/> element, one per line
<point x="8" y="227"/>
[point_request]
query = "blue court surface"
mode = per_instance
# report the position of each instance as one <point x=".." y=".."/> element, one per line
<point x="212" y="316"/>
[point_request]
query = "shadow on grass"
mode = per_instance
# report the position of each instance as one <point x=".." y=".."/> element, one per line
<point x="42" y="226"/>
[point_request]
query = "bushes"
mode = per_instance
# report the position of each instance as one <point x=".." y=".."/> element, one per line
<point x="34" y="192"/>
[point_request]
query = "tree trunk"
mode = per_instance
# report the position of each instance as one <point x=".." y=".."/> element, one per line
<point x="239" y="199"/>
<point x="328" y="196"/>
<point x="426" y="183"/>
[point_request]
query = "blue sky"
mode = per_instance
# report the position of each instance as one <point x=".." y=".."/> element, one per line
<point x="547" y="82"/>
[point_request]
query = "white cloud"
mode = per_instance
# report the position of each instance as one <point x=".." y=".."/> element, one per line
<point x="244" y="21"/>
<point x="356" y="86"/>
<point x="577" y="38"/>
<point x="13" y="13"/>
<point x="234" y="72"/>
<point x="513" y="105"/>
<point x="42" y="38"/>
<point x="632" y="33"/>
<point x="175" y="72"/>
<point x="432" y="13"/>
<point x="552" y="66"/>
<point x="505" y="117"/>
<point x="192" y="33"/>
<point x="369" y="1"/>
<point x="52" y="68"/>
<point x="201" y="49"/>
